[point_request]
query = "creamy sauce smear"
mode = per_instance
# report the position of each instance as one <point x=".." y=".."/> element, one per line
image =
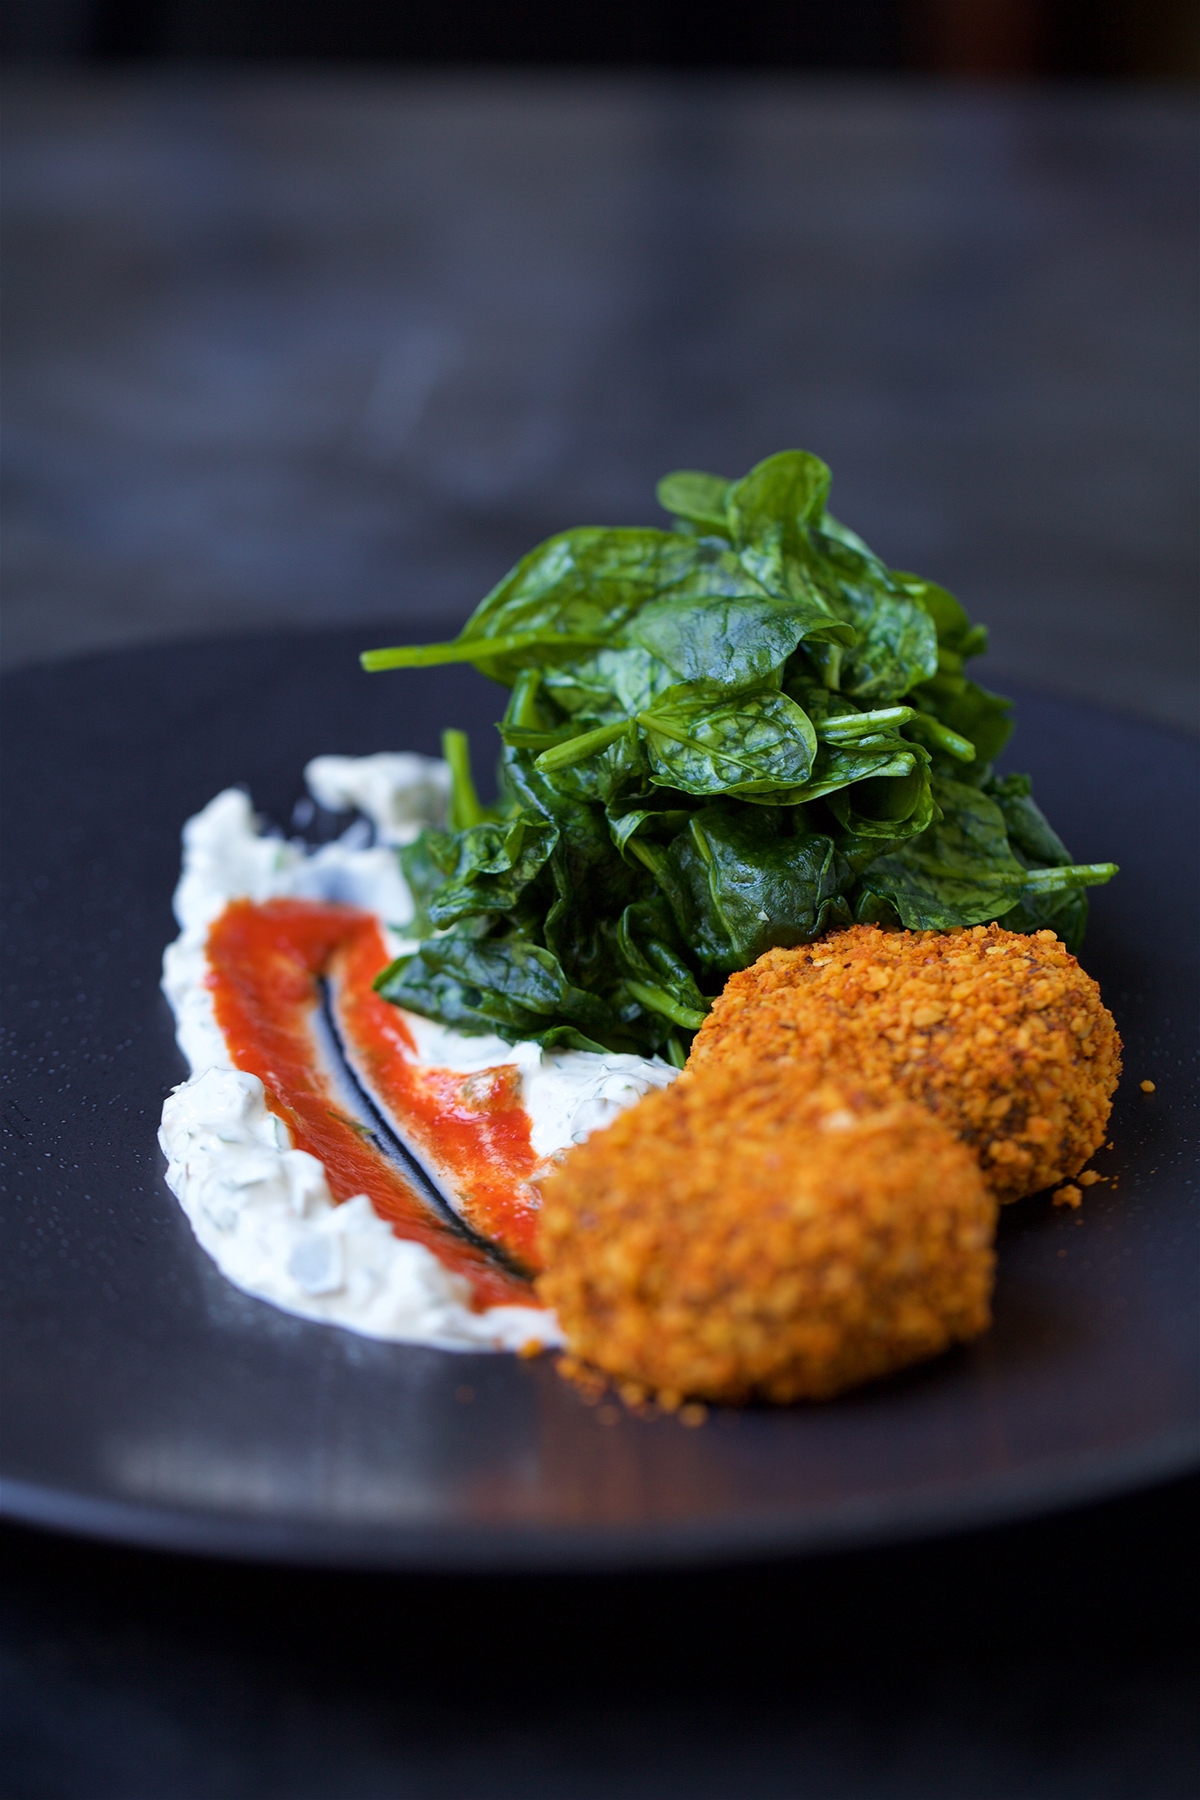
<point x="262" y="1208"/>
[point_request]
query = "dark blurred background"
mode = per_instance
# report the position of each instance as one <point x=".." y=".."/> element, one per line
<point x="1114" y="38"/>
<point x="328" y="311"/>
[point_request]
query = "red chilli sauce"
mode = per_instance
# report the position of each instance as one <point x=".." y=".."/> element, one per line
<point x="265" y="962"/>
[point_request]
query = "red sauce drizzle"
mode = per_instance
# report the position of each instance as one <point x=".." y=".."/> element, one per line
<point x="265" y="961"/>
<point x="472" y="1130"/>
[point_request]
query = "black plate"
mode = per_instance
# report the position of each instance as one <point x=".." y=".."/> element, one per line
<point x="146" y="1399"/>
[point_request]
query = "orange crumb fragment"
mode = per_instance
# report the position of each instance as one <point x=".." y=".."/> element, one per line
<point x="530" y="1348"/>
<point x="1069" y="1195"/>
<point x="1147" y="1087"/>
<point x="1088" y="1178"/>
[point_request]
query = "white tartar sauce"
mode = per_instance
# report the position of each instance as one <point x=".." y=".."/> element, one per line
<point x="261" y="1208"/>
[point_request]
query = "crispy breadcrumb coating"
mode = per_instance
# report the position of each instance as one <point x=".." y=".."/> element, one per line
<point x="1002" y="1036"/>
<point x="740" y="1235"/>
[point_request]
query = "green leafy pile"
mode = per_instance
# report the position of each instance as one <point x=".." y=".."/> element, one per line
<point x="736" y="734"/>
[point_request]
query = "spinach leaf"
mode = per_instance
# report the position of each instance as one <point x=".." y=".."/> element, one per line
<point x="957" y="637"/>
<point x="1029" y="830"/>
<point x="755" y="744"/>
<point x="425" y="864"/>
<point x="655" y="814"/>
<point x="608" y="771"/>
<point x="570" y="593"/>
<point x="896" y="647"/>
<point x="590" y="883"/>
<point x="700" y="499"/>
<point x="582" y="583"/>
<point x="739" y="885"/>
<point x="650" y="957"/>
<point x="1038" y="846"/>
<point x="733" y="643"/>
<point x="960" y="871"/>
<point x="769" y="511"/>
<point x="494" y="864"/>
<point x="891" y="802"/>
<point x="611" y="683"/>
<point x="496" y="984"/>
<point x="896" y="639"/>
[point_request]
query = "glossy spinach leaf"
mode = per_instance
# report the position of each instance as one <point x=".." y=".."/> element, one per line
<point x="755" y="744"/>
<point x="698" y="498"/>
<point x="611" y="683"/>
<point x="769" y="513"/>
<point x="961" y="871"/>
<point x="740" y="883"/>
<point x="1038" y="845"/>
<point x="495" y="863"/>
<point x="425" y="865"/>
<point x="655" y="814"/>
<point x="896" y="638"/>
<point x="732" y="643"/>
<point x="502" y="984"/>
<point x="892" y="802"/>
<point x="651" y="958"/>
<point x="619" y="766"/>
<point x="1029" y="830"/>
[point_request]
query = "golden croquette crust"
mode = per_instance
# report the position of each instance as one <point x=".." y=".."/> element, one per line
<point x="1003" y="1036"/>
<point x="740" y="1235"/>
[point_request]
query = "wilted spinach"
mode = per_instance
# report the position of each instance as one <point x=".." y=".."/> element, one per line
<point x="727" y="736"/>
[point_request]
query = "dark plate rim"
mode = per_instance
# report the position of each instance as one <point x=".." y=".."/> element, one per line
<point x="727" y="1537"/>
<point x="538" y="1549"/>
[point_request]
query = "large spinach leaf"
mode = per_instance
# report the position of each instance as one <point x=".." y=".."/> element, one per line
<point x="960" y="871"/>
<point x="498" y="984"/>
<point x="739" y="883"/>
<point x="754" y="744"/>
<point x="494" y="864"/>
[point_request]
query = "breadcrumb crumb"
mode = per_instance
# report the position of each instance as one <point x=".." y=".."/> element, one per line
<point x="1147" y="1087"/>
<point x="1067" y="1196"/>
<point x="1002" y="1036"/>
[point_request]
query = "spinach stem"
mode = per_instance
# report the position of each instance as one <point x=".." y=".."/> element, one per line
<point x="941" y="736"/>
<point x="659" y="1001"/>
<point x="845" y="727"/>
<point x="465" y="807"/>
<point x="645" y="855"/>
<point x="1068" y="875"/>
<point x="428" y="656"/>
<point x="522" y="708"/>
<point x="577" y="749"/>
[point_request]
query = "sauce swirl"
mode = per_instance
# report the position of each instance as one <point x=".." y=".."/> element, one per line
<point x="266" y="960"/>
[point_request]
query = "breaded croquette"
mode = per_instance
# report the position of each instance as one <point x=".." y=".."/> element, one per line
<point x="1002" y="1036"/>
<point x="741" y="1235"/>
